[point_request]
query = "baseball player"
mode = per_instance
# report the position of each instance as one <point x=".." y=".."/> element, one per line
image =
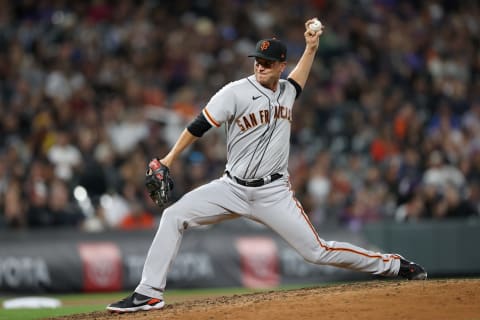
<point x="257" y="114"/>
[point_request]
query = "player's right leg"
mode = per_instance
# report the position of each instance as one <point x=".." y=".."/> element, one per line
<point x="208" y="204"/>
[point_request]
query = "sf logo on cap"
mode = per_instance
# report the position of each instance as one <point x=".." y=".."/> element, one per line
<point x="264" y="46"/>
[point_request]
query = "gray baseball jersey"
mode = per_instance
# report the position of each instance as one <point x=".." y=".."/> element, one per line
<point x="258" y="124"/>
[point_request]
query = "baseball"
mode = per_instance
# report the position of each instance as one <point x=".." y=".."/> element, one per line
<point x="316" y="25"/>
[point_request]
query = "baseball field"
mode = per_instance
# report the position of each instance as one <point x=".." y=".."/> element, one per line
<point x="432" y="299"/>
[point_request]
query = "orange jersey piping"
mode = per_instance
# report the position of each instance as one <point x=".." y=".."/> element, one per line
<point x="210" y="118"/>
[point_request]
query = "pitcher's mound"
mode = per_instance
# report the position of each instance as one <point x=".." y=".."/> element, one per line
<point x="431" y="299"/>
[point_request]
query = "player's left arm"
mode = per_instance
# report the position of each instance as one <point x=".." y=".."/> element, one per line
<point x="301" y="71"/>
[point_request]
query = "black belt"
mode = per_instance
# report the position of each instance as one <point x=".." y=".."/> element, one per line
<point x="256" y="183"/>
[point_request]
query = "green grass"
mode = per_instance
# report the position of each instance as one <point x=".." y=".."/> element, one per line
<point x="71" y="304"/>
<point x="27" y="314"/>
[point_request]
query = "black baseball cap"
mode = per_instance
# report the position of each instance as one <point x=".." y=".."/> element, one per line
<point x="270" y="49"/>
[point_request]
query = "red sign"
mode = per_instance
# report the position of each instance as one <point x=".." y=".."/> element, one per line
<point x="102" y="266"/>
<point x="259" y="262"/>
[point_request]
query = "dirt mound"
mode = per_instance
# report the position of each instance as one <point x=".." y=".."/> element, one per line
<point x="432" y="299"/>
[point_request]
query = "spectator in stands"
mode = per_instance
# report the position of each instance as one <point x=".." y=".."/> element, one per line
<point x="439" y="174"/>
<point x="14" y="206"/>
<point x="37" y="190"/>
<point x="64" y="155"/>
<point x="411" y="209"/>
<point x="91" y="174"/>
<point x="457" y="205"/>
<point x="65" y="212"/>
<point x="137" y="218"/>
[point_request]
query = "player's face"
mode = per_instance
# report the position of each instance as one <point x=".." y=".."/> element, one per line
<point x="267" y="72"/>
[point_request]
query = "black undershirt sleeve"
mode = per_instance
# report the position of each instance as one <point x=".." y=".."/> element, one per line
<point x="199" y="126"/>
<point x="297" y="87"/>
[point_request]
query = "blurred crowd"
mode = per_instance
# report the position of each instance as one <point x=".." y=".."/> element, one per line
<point x="387" y="128"/>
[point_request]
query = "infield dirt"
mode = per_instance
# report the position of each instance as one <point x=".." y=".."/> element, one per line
<point x="431" y="299"/>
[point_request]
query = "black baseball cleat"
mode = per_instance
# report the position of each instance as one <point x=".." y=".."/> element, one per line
<point x="411" y="271"/>
<point x="136" y="302"/>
